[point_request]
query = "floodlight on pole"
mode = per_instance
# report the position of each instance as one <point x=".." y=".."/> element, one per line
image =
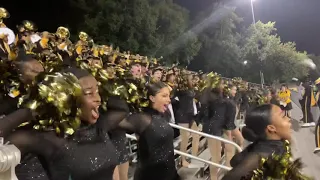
<point x="252" y="11"/>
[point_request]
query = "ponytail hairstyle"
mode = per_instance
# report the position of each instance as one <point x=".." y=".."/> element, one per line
<point x="257" y="121"/>
<point x="154" y="88"/>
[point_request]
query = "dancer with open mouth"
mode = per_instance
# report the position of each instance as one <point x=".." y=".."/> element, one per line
<point x="86" y="154"/>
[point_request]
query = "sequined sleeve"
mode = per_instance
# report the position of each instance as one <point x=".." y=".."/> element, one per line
<point x="8" y="105"/>
<point x="139" y="122"/>
<point x="45" y="145"/>
<point x="117" y="111"/>
<point x="245" y="168"/>
<point x="13" y="120"/>
<point x="31" y="141"/>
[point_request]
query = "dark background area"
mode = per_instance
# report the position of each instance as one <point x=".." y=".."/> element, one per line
<point x="296" y="20"/>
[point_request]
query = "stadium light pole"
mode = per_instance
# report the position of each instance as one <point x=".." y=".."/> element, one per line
<point x="252" y="11"/>
<point x="254" y="24"/>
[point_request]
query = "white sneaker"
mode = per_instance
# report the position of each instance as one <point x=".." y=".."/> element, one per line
<point x="175" y="144"/>
<point x="316" y="150"/>
<point x="305" y="125"/>
<point x="195" y="166"/>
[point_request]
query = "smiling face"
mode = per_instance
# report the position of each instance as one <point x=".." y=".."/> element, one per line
<point x="161" y="100"/>
<point x="90" y="99"/>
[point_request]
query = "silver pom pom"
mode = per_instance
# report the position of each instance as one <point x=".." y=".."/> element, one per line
<point x="10" y="157"/>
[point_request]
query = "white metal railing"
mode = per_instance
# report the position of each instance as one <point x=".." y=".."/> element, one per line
<point x="207" y="136"/>
<point x="190" y="156"/>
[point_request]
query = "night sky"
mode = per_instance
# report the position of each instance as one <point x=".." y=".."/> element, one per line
<point x="296" y="20"/>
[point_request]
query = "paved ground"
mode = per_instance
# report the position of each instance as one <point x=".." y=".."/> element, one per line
<point x="304" y="142"/>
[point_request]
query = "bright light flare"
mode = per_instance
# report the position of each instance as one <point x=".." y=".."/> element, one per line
<point x="309" y="63"/>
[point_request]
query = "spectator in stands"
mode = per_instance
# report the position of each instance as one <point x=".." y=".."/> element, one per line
<point x="136" y="70"/>
<point x="121" y="61"/>
<point x="157" y="74"/>
<point x="274" y="97"/>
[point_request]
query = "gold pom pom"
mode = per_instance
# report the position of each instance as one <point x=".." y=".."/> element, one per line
<point x="54" y="100"/>
<point x="280" y="167"/>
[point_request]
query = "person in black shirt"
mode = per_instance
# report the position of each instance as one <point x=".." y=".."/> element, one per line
<point x="274" y="97"/>
<point x="267" y="127"/>
<point x="215" y="110"/>
<point x="185" y="116"/>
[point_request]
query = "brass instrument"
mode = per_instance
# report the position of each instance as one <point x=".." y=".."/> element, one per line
<point x="27" y="26"/>
<point x="83" y="36"/>
<point x="8" y="33"/>
<point x="4" y="14"/>
<point x="63" y="33"/>
<point x="85" y="43"/>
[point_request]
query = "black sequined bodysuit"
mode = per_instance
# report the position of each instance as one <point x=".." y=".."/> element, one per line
<point x="249" y="159"/>
<point x="88" y="154"/>
<point x="220" y="114"/>
<point x="119" y="140"/>
<point x="30" y="167"/>
<point x="155" y="147"/>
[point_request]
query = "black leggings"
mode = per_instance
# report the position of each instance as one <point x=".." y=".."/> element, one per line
<point x="306" y="110"/>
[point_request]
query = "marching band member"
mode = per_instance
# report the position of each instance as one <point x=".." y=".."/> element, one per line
<point x="285" y="101"/>
<point x="317" y="130"/>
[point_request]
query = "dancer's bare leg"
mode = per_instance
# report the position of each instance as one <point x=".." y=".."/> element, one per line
<point x="238" y="135"/>
<point x="195" y="139"/>
<point x="228" y="148"/>
<point x="184" y="135"/>
<point x="116" y="173"/>
<point x="123" y="170"/>
<point x="215" y="151"/>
